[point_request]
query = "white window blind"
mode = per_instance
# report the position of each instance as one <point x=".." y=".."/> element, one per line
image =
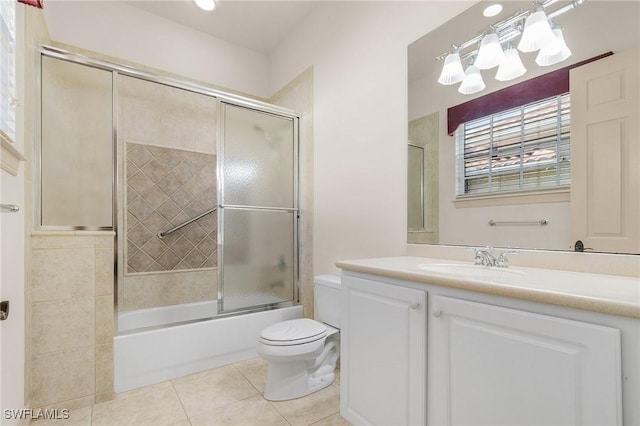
<point x="7" y="68"/>
<point x="521" y="149"/>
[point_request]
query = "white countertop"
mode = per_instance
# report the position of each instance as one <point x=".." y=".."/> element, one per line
<point x="609" y="294"/>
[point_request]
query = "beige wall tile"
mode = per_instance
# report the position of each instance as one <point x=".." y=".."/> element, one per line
<point x="104" y="369"/>
<point x="105" y="396"/>
<point x="73" y="404"/>
<point x="49" y="242"/>
<point x="63" y="376"/>
<point x="104" y="319"/>
<point x="62" y="325"/>
<point x="105" y="242"/>
<point x="104" y="271"/>
<point x="63" y="274"/>
<point x="153" y="290"/>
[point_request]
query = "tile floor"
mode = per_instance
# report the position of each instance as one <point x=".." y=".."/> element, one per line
<point x="229" y="395"/>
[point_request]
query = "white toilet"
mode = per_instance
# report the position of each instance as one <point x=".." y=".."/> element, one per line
<point x="302" y="353"/>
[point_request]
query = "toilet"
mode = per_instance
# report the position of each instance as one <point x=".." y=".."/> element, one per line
<point x="302" y="353"/>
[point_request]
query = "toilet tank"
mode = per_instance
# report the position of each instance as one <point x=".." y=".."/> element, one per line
<point x="327" y="303"/>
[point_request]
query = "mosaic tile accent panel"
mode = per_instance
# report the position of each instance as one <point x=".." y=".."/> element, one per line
<point x="165" y="187"/>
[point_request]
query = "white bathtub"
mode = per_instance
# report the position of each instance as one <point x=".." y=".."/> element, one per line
<point x="147" y="357"/>
<point x="133" y="320"/>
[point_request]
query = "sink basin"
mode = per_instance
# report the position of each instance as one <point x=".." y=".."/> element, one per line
<point x="470" y="271"/>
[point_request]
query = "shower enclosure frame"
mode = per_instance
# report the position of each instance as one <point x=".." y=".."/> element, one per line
<point x="220" y="97"/>
<point x="221" y="207"/>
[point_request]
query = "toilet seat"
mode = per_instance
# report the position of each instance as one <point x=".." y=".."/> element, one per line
<point x="293" y="332"/>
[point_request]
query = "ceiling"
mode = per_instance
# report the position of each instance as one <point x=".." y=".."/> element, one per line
<point x="256" y="25"/>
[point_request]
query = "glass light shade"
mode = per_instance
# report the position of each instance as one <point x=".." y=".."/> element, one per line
<point x="490" y="54"/>
<point x="472" y="82"/>
<point x="207" y="5"/>
<point x="452" y="71"/>
<point x="511" y="67"/>
<point x="537" y="32"/>
<point x="555" y="51"/>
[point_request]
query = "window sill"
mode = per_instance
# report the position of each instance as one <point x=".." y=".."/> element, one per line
<point x="559" y="195"/>
<point x="11" y="157"/>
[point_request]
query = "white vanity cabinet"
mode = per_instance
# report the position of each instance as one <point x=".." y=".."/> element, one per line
<point x="383" y="352"/>
<point x="490" y="365"/>
<point x="537" y="347"/>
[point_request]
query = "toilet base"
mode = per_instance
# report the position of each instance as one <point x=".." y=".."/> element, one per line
<point x="292" y="380"/>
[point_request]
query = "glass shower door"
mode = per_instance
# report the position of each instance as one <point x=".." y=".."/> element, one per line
<point x="258" y="214"/>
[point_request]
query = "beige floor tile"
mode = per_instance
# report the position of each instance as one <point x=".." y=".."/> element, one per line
<point x="335" y="420"/>
<point x="255" y="370"/>
<point x="212" y="389"/>
<point x="248" y="412"/>
<point x="79" y="417"/>
<point x="311" y="408"/>
<point x="156" y="407"/>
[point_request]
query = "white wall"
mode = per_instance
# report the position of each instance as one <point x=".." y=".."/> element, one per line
<point x="12" y="249"/>
<point x="122" y="31"/>
<point x="359" y="54"/>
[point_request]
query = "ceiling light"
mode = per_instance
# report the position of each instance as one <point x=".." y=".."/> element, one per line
<point x="207" y="5"/>
<point x="472" y="82"/>
<point x="490" y="53"/>
<point x="536" y="33"/>
<point x="492" y="10"/>
<point x="452" y="71"/>
<point x="555" y="51"/>
<point x="511" y="66"/>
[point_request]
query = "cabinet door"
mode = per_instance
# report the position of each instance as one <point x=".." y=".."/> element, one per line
<point x="495" y="366"/>
<point x="383" y="353"/>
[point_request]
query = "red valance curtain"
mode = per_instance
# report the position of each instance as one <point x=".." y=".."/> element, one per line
<point x="538" y="88"/>
<point x="34" y="3"/>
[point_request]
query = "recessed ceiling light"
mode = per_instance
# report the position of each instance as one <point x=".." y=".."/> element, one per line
<point x="207" y="5"/>
<point x="492" y="10"/>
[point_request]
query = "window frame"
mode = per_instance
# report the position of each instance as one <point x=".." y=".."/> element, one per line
<point x="529" y="188"/>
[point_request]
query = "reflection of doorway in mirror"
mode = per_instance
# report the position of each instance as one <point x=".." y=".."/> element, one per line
<point x="422" y="196"/>
<point x="415" y="187"/>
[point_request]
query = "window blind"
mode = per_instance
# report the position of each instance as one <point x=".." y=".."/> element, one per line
<point x="520" y="149"/>
<point x="7" y="68"/>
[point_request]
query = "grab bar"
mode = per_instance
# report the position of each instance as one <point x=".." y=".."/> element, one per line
<point x="161" y="235"/>
<point x="9" y="208"/>
<point x="541" y="222"/>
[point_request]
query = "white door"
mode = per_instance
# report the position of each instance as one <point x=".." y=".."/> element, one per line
<point x="490" y="365"/>
<point x="383" y="362"/>
<point x="605" y="153"/>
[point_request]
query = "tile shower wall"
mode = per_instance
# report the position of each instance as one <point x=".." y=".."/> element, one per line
<point x="166" y="187"/>
<point x="71" y="319"/>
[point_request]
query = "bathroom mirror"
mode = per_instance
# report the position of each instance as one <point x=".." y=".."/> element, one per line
<point x="590" y="29"/>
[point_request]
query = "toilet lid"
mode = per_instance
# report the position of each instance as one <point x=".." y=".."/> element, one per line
<point x="296" y="331"/>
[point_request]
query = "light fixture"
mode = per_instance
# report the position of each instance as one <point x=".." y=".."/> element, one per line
<point x="555" y="51"/>
<point x="452" y="71"/>
<point x="511" y="66"/>
<point x="472" y="82"/>
<point x="493" y="10"/>
<point x="537" y="31"/>
<point x="207" y="5"/>
<point x="490" y="53"/>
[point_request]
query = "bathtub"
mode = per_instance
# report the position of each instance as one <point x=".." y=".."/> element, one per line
<point x="146" y="357"/>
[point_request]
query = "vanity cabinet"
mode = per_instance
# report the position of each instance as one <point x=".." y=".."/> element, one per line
<point x="383" y="339"/>
<point x="498" y="366"/>
<point x="471" y="358"/>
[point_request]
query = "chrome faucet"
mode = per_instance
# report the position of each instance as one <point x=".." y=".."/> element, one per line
<point x="484" y="256"/>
